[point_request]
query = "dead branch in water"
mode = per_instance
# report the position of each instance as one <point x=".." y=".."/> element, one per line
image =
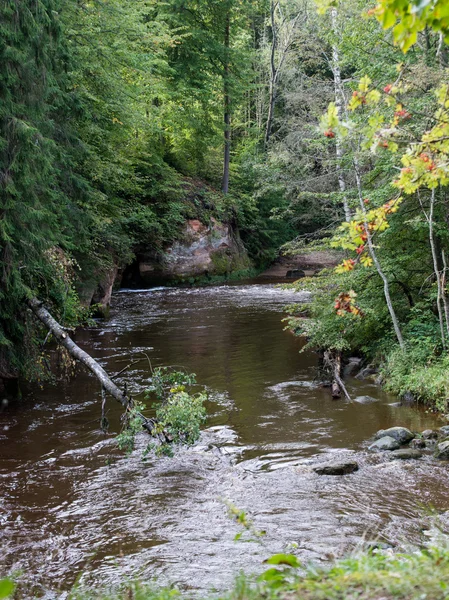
<point x="333" y="362"/>
<point x="62" y="338"/>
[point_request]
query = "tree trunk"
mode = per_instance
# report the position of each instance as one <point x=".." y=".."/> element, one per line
<point x="76" y="352"/>
<point x="440" y="275"/>
<point x="373" y="255"/>
<point x="340" y="103"/>
<point x="436" y="268"/>
<point x="227" y="109"/>
<point x="333" y="363"/>
<point x="273" y="74"/>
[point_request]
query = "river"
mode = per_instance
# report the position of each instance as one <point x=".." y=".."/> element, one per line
<point x="74" y="508"/>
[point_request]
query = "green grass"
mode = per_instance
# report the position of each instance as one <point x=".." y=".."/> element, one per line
<point x="420" y="575"/>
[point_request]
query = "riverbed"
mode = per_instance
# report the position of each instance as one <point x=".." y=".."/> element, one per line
<point x="74" y="508"/>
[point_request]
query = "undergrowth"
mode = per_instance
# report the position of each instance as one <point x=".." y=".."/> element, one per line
<point x="420" y="575"/>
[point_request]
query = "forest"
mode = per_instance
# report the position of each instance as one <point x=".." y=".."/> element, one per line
<point x="185" y="144"/>
<point x="119" y="122"/>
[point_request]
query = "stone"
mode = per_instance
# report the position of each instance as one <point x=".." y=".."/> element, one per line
<point x="352" y="366"/>
<point x="418" y="443"/>
<point x="385" y="443"/>
<point x="442" y="451"/>
<point x="444" y="430"/>
<point x="365" y="399"/>
<point x="405" y="454"/>
<point x="366" y="372"/>
<point x="343" y="468"/>
<point x="408" y="399"/>
<point x="429" y="434"/>
<point x="400" y="434"/>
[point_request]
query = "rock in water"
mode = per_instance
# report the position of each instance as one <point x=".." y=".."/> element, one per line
<point x="352" y="366"/>
<point x="366" y="372"/>
<point x="400" y="434"/>
<point x="365" y="399"/>
<point x="418" y="443"/>
<point x="408" y="399"/>
<point x="385" y="443"/>
<point x="429" y="434"/>
<point x="444" y="430"/>
<point x="442" y="451"/>
<point x="405" y="454"/>
<point x="337" y="468"/>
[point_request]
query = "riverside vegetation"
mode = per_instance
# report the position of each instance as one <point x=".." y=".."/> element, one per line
<point x="121" y="122"/>
<point x="114" y="116"/>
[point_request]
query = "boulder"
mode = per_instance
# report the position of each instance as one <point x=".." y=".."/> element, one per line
<point x="400" y="434"/>
<point x="343" y="468"/>
<point x="405" y="454"/>
<point x="442" y="451"/>
<point x="444" y="430"/>
<point x="385" y="443"/>
<point x="352" y="366"/>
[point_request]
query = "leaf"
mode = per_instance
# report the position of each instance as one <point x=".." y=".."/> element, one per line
<point x="271" y="575"/>
<point x="284" y="559"/>
<point x="6" y="588"/>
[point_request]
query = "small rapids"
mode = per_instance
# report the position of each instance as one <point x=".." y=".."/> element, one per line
<point x="73" y="508"/>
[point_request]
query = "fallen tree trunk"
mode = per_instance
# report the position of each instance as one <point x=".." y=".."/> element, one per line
<point x="333" y="362"/>
<point x="77" y="353"/>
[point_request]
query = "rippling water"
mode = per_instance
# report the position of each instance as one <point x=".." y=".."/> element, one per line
<point x="73" y="508"/>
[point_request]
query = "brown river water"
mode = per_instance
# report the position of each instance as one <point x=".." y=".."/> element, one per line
<point x="73" y="508"/>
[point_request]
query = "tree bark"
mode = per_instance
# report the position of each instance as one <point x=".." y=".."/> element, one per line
<point x="227" y="108"/>
<point x="436" y="268"/>
<point x="376" y="262"/>
<point x="333" y="363"/>
<point x="340" y="103"/>
<point x="440" y="276"/>
<point x="76" y="352"/>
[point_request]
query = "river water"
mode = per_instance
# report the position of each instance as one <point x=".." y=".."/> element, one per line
<point x="73" y="508"/>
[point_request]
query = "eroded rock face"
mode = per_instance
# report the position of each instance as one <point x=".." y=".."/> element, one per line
<point x="205" y="250"/>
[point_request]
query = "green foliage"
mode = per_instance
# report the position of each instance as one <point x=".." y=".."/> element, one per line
<point x="409" y="17"/>
<point x="131" y="427"/>
<point x="7" y="588"/>
<point x="241" y="517"/>
<point x="179" y="414"/>
<point x="420" y="373"/>
<point x="362" y="576"/>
